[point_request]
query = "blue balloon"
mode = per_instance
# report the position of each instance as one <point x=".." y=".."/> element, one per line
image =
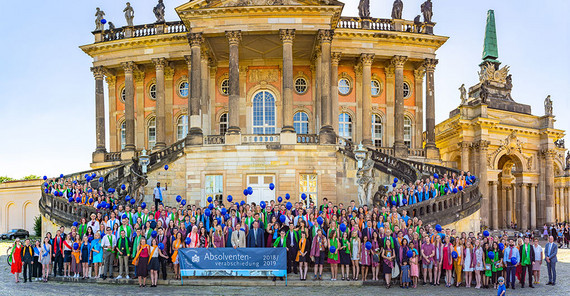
<point x="56" y="193"/>
<point x="133" y="201"/>
<point x="114" y="207"/>
<point x="249" y="190"/>
<point x="395" y="180"/>
<point x="282" y="218"/>
<point x="101" y="179"/>
<point x="45" y="178"/>
<point x="332" y="249"/>
<point x="70" y="199"/>
<point x="454" y="190"/>
<point x="127" y="198"/>
<point x="394" y="185"/>
<point x="86" y="176"/>
<point x="320" y="220"/>
<point x="154" y="233"/>
<point x="514" y="261"/>
<point x="460" y="188"/>
<point x="161" y="246"/>
<point x="75" y="246"/>
<point x="143" y="205"/>
<point x="271" y="186"/>
<point x="342" y="227"/>
<point x="393" y="202"/>
<point x="368" y="245"/>
<point x="491" y="255"/>
<point x="90" y="239"/>
<point x="98" y="206"/>
<point x="46" y="184"/>
<point x="410" y="253"/>
<point x="61" y="175"/>
<point x="230" y="198"/>
<point x="123" y="187"/>
<point x="486" y="233"/>
<point x="287" y="196"/>
<point x="178" y="198"/>
<point x="103" y="21"/>
<point x="404" y="201"/>
<point x="303" y="196"/>
<point x="435" y="176"/>
<point x="75" y="224"/>
<point x="227" y="217"/>
<point x="74" y="181"/>
<point x="209" y="199"/>
<point x="103" y="204"/>
<point x="501" y="246"/>
<point x="110" y="190"/>
<point x="207" y="212"/>
<point x="89" y="179"/>
<point x="188" y="241"/>
<point x="46" y="190"/>
<point x="89" y="190"/>
<point x="437" y="227"/>
<point x="473" y="178"/>
<point x="211" y="206"/>
<point x="183" y="202"/>
<point x="262" y="204"/>
<point x="242" y="203"/>
<point x="280" y="199"/>
<point x="223" y="211"/>
<point x="124" y="216"/>
<point x="237" y="204"/>
<point x="245" y="192"/>
<point x="289" y="205"/>
<point x="78" y="200"/>
<point x="166" y="167"/>
<point x="93" y="175"/>
<point x="445" y="189"/>
<point x="454" y="254"/>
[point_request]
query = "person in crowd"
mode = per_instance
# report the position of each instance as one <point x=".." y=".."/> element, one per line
<point x="388" y="264"/>
<point x="57" y="254"/>
<point x="427" y="250"/>
<point x="501" y="290"/>
<point x="255" y="237"/>
<point x="238" y="236"/>
<point x="158" y="193"/>
<point x="537" y="263"/>
<point x="45" y="255"/>
<point x="177" y="244"/>
<point x="511" y="259"/>
<point x="447" y="263"/>
<point x="27" y="258"/>
<point x="318" y="254"/>
<point x="355" y="246"/>
<point x="141" y="260"/>
<point x="123" y="251"/>
<point x="333" y="257"/>
<point x="37" y="265"/>
<point x="153" y="263"/>
<point x="344" y="256"/>
<point x="97" y="255"/>
<point x="550" y="253"/>
<point x="414" y="266"/>
<point x="527" y="258"/>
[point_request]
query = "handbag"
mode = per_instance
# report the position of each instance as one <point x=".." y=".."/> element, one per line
<point x="395" y="271"/>
<point x="376" y="258"/>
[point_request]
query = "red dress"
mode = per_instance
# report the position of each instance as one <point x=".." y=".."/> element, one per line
<point x="17" y="260"/>
<point x="447" y="264"/>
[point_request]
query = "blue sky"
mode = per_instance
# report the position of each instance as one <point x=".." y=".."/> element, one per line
<point x="47" y="91"/>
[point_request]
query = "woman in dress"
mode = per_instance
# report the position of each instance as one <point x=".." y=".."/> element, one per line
<point x="478" y="263"/>
<point x="203" y="237"/>
<point x="75" y="255"/>
<point x="272" y="231"/>
<point x="97" y="252"/>
<point x="468" y="263"/>
<point x="333" y="258"/>
<point x="403" y="256"/>
<point x="497" y="264"/>
<point x="176" y="245"/>
<point x="375" y="262"/>
<point x="355" y="254"/>
<point x="388" y="256"/>
<point x="141" y="261"/>
<point x="538" y="256"/>
<point x="16" y="267"/>
<point x="414" y="266"/>
<point x="302" y="256"/>
<point x="218" y="239"/>
<point x="45" y="258"/>
<point x="447" y="263"/>
<point x="365" y="258"/>
<point x="438" y="260"/>
<point x="153" y="263"/>
<point x="67" y="246"/>
<point x="457" y="262"/>
<point x="345" y="256"/>
<point x="85" y="250"/>
<point x="487" y="265"/>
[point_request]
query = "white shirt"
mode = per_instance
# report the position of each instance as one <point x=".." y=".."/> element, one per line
<point x="537" y="252"/>
<point x="105" y="241"/>
<point x="156" y="192"/>
<point x="94" y="225"/>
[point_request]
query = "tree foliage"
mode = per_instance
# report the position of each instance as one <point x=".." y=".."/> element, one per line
<point x="5" y="179"/>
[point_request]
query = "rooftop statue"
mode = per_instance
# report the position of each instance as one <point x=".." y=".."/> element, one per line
<point x="129" y="14"/>
<point x="98" y="17"/>
<point x="548" y="106"/>
<point x="427" y="11"/>
<point x="111" y="26"/>
<point x="397" y="9"/>
<point x="159" y="11"/>
<point x="364" y="9"/>
<point x="463" y="94"/>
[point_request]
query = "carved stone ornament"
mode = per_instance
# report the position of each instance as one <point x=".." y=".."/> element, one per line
<point x="261" y="3"/>
<point x="398" y="61"/>
<point x="364" y="9"/>
<point x="463" y="96"/>
<point x="548" y="106"/>
<point x="510" y="145"/>
<point x="489" y="73"/>
<point x="397" y="9"/>
<point x="267" y="75"/>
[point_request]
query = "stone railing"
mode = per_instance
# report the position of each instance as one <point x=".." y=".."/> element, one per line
<point x="377" y="24"/>
<point x="307" y="139"/>
<point x="448" y="208"/>
<point x="214" y="140"/>
<point x="141" y="31"/>
<point x="260" y="139"/>
<point x="61" y="211"/>
<point x="385" y="150"/>
<point x="417" y="152"/>
<point x="112" y="156"/>
<point x="166" y="155"/>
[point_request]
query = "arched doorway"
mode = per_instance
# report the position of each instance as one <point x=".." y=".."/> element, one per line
<point x="28" y="218"/>
<point x="11" y="216"/>
<point x="513" y="194"/>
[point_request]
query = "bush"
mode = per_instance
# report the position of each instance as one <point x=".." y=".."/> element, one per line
<point x="38" y="225"/>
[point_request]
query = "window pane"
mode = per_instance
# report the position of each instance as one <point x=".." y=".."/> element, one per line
<point x="375" y="87"/>
<point x="123" y="135"/>
<point x="264" y="113"/>
<point x="223" y="124"/>
<point x="344" y="86"/>
<point x="308" y="185"/>
<point x="225" y="87"/>
<point x="151" y="133"/>
<point x="183" y="89"/>
<point x="182" y="127"/>
<point x="377" y="130"/>
<point x="152" y="91"/>
<point x="301" y="123"/>
<point x="300" y="85"/>
<point x="407" y="91"/>
<point x="345" y="126"/>
<point x="408" y="131"/>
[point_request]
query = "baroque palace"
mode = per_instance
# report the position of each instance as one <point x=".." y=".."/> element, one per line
<point x="242" y="94"/>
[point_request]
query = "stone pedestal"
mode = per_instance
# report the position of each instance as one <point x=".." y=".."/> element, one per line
<point x="128" y="31"/>
<point x="160" y="28"/>
<point x="365" y="22"/>
<point x="128" y="155"/>
<point x="327" y="135"/>
<point x="98" y="36"/>
<point x="233" y="139"/>
<point x="432" y="152"/>
<point x="288" y="138"/>
<point x="398" y="24"/>
<point x="98" y="156"/>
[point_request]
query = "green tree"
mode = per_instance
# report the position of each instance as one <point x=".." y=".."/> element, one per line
<point x="31" y="177"/>
<point x="38" y="225"/>
<point x="5" y="179"/>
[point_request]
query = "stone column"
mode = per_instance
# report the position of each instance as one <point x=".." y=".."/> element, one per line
<point x="171" y="137"/>
<point x="112" y="118"/>
<point x="287" y="36"/>
<point x="514" y="201"/>
<point x="389" y="126"/>
<point x="357" y="119"/>
<point x="366" y="59"/>
<point x="562" y="204"/>
<point x="234" y="37"/>
<point x="509" y="211"/>
<point x="503" y="206"/>
<point x="205" y="94"/>
<point x="326" y="134"/>
<point x="129" y="68"/>
<point x="99" y="74"/>
<point x="465" y="146"/>
<point x="431" y="150"/>
<point x="400" y="149"/>
<point x="495" y="205"/>
<point x="318" y="87"/>
<point x="195" y="134"/>
<point x="141" y="132"/>
<point x="335" y="60"/>
<point x="532" y="206"/>
<point x="549" y="186"/>
<point x="482" y="146"/>
<point x="159" y="64"/>
<point x="419" y="74"/>
<point x="524" y="207"/>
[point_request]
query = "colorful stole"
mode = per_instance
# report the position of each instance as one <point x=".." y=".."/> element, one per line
<point x="135" y="260"/>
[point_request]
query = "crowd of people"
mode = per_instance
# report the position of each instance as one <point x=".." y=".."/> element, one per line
<point x="378" y="243"/>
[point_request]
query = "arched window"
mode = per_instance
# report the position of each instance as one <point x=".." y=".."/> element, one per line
<point x="123" y="95"/>
<point x="151" y="133"/>
<point x="375" y="88"/>
<point x="152" y="91"/>
<point x="263" y="113"/>
<point x="345" y="126"/>
<point x="123" y="134"/>
<point x="301" y="123"/>
<point x="377" y="130"/>
<point x="407" y="90"/>
<point x="183" y="89"/>
<point x="182" y="127"/>
<point x="225" y="87"/>
<point x="344" y="86"/>
<point x="223" y="124"/>
<point x="408" y="131"/>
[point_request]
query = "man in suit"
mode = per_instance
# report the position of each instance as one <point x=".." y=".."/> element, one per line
<point x="527" y="257"/>
<point x="510" y="252"/>
<point x="255" y="236"/>
<point x="57" y="253"/>
<point x="292" y="240"/>
<point x="368" y="231"/>
<point x="550" y="252"/>
<point x="238" y="237"/>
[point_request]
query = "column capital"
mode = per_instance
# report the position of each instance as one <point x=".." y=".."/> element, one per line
<point x="287" y="35"/>
<point x="548" y="153"/>
<point x="398" y="61"/>
<point x="481" y="145"/>
<point x="335" y="58"/>
<point x="99" y="72"/>
<point x="129" y="67"/>
<point x="160" y="63"/>
<point x="366" y="59"/>
<point x="234" y="37"/>
<point x="326" y="36"/>
<point x="188" y="59"/>
<point x="111" y="80"/>
<point x="390" y="71"/>
<point x="419" y="74"/>
<point x="139" y="76"/>
<point x="168" y="72"/>
<point x="430" y="64"/>
<point x="195" y="39"/>
<point x="464" y="145"/>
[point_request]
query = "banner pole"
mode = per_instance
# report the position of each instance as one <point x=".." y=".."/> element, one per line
<point x="285" y="279"/>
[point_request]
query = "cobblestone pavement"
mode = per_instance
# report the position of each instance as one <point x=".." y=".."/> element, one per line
<point x="265" y="287"/>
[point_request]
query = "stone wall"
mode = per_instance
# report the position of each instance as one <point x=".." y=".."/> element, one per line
<point x="467" y="224"/>
<point x="19" y="202"/>
<point x="175" y="178"/>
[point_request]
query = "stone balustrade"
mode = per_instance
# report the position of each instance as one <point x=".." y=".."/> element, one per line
<point x="307" y="139"/>
<point x="215" y="140"/>
<point x="259" y="139"/>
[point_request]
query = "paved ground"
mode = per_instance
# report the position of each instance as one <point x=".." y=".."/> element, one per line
<point x="264" y="287"/>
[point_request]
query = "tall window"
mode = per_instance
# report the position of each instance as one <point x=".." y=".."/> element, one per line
<point x="182" y="127"/>
<point x="408" y="131"/>
<point x="263" y="113"/>
<point x="345" y="126"/>
<point x="123" y="134"/>
<point x="308" y="185"/>
<point x="377" y="130"/>
<point x="151" y="133"/>
<point x="214" y="187"/>
<point x="223" y="124"/>
<point x="301" y="123"/>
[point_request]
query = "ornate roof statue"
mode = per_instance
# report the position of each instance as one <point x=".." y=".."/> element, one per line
<point x="159" y="11"/>
<point x="111" y="26"/>
<point x="397" y="9"/>
<point x="364" y="9"/>
<point x="427" y="11"/>
<point x="548" y="106"/>
<point x="490" y="71"/>
<point x="129" y="14"/>
<point x="463" y="94"/>
<point x="491" y="49"/>
<point x="98" y="17"/>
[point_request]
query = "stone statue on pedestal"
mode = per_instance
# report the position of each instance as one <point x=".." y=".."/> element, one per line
<point x="548" y="106"/>
<point x="397" y="9"/>
<point x="137" y="181"/>
<point x="111" y="26"/>
<point x="98" y="17"/>
<point x="129" y="14"/>
<point x="159" y="11"/>
<point x="366" y="182"/>
<point x="427" y="11"/>
<point x="463" y="94"/>
<point x="364" y="9"/>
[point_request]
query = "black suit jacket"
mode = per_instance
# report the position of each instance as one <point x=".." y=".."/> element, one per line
<point x="252" y="242"/>
<point x="523" y="254"/>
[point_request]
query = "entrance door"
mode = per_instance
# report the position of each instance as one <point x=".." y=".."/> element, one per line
<point x="260" y="186"/>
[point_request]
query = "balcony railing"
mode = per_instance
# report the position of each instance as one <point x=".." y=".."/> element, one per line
<point x="260" y="139"/>
<point x="307" y="139"/>
<point x="214" y="140"/>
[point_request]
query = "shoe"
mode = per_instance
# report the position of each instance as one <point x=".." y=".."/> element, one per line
<point x="127" y="277"/>
<point x="531" y="286"/>
<point x="119" y="277"/>
<point x="315" y="278"/>
<point x="274" y="279"/>
<point x="549" y="283"/>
